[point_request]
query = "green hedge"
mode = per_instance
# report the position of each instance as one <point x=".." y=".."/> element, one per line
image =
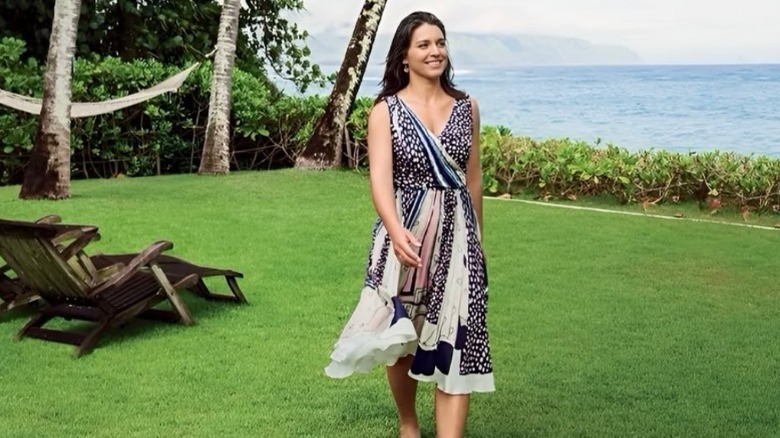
<point x="567" y="169"/>
<point x="163" y="135"/>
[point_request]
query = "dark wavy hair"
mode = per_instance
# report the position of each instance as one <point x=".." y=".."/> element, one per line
<point x="395" y="79"/>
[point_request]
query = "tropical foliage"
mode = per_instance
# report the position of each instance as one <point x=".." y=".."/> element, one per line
<point x="164" y="135"/>
<point x="171" y="31"/>
<point x="563" y="168"/>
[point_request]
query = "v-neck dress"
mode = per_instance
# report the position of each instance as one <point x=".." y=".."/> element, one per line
<point x="446" y="299"/>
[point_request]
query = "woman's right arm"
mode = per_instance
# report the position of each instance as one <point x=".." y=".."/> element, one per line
<point x="380" y="158"/>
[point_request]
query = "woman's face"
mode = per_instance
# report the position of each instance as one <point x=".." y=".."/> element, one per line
<point x="427" y="53"/>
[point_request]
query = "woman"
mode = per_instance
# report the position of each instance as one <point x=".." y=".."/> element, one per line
<point x="422" y="310"/>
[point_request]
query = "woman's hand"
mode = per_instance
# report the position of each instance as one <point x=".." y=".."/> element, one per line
<point x="406" y="248"/>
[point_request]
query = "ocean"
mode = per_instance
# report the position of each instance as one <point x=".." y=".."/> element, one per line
<point x="677" y="108"/>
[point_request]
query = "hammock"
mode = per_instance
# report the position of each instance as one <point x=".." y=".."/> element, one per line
<point x="88" y="109"/>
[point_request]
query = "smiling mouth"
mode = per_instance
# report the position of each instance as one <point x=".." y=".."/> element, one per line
<point x="435" y="63"/>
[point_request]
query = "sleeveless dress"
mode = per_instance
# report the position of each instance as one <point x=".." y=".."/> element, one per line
<point x="436" y="312"/>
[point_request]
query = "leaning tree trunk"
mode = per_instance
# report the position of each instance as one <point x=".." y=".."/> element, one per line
<point x="48" y="171"/>
<point x="324" y="148"/>
<point x="216" y="149"/>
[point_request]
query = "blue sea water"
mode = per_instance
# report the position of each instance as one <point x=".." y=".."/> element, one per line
<point x="678" y="108"/>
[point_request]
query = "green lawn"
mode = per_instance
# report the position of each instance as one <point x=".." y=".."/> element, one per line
<point x="601" y="325"/>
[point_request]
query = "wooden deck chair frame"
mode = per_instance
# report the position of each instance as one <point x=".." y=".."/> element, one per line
<point x="14" y="294"/>
<point x="107" y="298"/>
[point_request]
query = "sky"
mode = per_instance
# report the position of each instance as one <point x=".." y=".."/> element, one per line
<point x="659" y="31"/>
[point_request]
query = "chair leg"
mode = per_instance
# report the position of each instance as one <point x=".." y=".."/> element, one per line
<point x="235" y="296"/>
<point x="235" y="289"/>
<point x="173" y="296"/>
<point x="37" y="320"/>
<point x="91" y="339"/>
<point x="201" y="289"/>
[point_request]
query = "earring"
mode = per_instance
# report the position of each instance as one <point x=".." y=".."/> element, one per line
<point x="406" y="68"/>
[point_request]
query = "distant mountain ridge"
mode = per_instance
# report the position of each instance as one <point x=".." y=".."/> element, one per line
<point x="489" y="50"/>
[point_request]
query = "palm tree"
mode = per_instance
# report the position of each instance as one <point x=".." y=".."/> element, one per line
<point x="48" y="171"/>
<point x="216" y="148"/>
<point x="324" y="148"/>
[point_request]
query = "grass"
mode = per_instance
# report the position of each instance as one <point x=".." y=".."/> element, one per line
<point x="601" y="325"/>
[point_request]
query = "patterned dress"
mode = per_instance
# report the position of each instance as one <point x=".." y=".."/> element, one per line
<point x="436" y="312"/>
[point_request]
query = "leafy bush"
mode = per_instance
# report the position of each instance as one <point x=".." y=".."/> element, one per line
<point x="163" y="135"/>
<point x="16" y="128"/>
<point x="568" y="169"/>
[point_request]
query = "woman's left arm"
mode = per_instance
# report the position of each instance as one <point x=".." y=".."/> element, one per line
<point x="474" y="166"/>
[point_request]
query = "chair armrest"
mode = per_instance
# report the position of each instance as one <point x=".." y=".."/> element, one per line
<point x="83" y="236"/>
<point x="75" y="233"/>
<point x="109" y="271"/>
<point x="147" y="256"/>
<point x="49" y="219"/>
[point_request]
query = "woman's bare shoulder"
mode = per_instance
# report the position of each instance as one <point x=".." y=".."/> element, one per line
<point x="379" y="112"/>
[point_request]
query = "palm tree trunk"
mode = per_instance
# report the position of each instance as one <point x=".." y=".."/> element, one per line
<point x="324" y="148"/>
<point x="216" y="148"/>
<point x="48" y="171"/>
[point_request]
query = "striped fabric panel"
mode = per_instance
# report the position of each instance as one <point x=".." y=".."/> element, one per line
<point x="444" y="172"/>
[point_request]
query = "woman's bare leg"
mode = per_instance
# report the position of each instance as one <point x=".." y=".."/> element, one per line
<point x="404" y="390"/>
<point x="451" y="411"/>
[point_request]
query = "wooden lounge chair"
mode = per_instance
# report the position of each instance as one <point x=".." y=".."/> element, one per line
<point x="73" y="289"/>
<point x="13" y="292"/>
